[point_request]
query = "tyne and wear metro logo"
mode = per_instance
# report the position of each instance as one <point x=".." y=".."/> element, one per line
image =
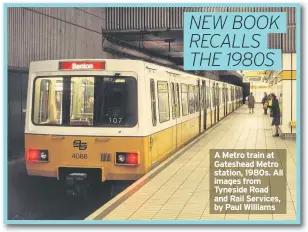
<point x="80" y="145"/>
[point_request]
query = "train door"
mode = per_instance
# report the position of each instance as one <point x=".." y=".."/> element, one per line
<point x="153" y="150"/>
<point x="234" y="99"/>
<point x="209" y="104"/>
<point x="226" y="99"/>
<point x="199" y="106"/>
<point x="232" y="93"/>
<point x="177" y="128"/>
<point x="222" y="101"/>
<point x="178" y="111"/>
<point x="174" y="108"/>
<point x="218" y="101"/>
<point x="237" y="105"/>
<point x="214" y="113"/>
<point x="203" y="104"/>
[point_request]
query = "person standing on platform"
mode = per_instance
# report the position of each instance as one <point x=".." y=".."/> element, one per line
<point x="251" y="102"/>
<point x="265" y="102"/>
<point x="275" y="113"/>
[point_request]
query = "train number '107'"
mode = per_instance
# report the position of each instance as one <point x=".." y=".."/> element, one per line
<point x="80" y="156"/>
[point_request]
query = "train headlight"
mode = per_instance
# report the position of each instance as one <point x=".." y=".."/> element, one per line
<point x="127" y="158"/>
<point x="35" y="155"/>
<point x="121" y="158"/>
<point x="44" y="155"/>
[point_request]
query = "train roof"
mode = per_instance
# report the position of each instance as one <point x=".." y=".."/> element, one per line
<point x="54" y="66"/>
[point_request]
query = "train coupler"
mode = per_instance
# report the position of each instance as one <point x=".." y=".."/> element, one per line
<point x="77" y="185"/>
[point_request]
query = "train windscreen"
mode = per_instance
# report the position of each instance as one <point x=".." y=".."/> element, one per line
<point x="101" y="101"/>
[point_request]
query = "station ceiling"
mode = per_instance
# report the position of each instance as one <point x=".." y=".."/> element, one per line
<point x="153" y="34"/>
<point x="167" y="45"/>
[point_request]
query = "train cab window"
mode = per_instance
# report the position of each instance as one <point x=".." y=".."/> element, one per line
<point x="82" y="101"/>
<point x="184" y="100"/>
<point x="173" y="102"/>
<point x="44" y="100"/>
<point x="116" y="101"/>
<point x="177" y="101"/>
<point x="153" y="102"/>
<point x="47" y="104"/>
<point x="104" y="101"/>
<point x="191" y="99"/>
<point x="163" y="101"/>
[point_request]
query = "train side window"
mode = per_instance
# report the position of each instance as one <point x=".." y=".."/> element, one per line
<point x="153" y="102"/>
<point x="220" y="95"/>
<point x="213" y="96"/>
<point x="227" y="94"/>
<point x="184" y="100"/>
<point x="202" y="98"/>
<point x="197" y="101"/>
<point x="191" y="100"/>
<point x="173" y="100"/>
<point x="207" y="97"/>
<point x="177" y="101"/>
<point x="163" y="101"/>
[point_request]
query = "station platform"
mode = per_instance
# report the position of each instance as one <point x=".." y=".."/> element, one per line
<point x="178" y="189"/>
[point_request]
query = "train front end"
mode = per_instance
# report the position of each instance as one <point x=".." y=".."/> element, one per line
<point x="82" y="121"/>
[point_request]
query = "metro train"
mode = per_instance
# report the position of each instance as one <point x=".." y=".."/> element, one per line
<point x="115" y="119"/>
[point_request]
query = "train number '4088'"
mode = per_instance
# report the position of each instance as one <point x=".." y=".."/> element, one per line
<point x="80" y="156"/>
